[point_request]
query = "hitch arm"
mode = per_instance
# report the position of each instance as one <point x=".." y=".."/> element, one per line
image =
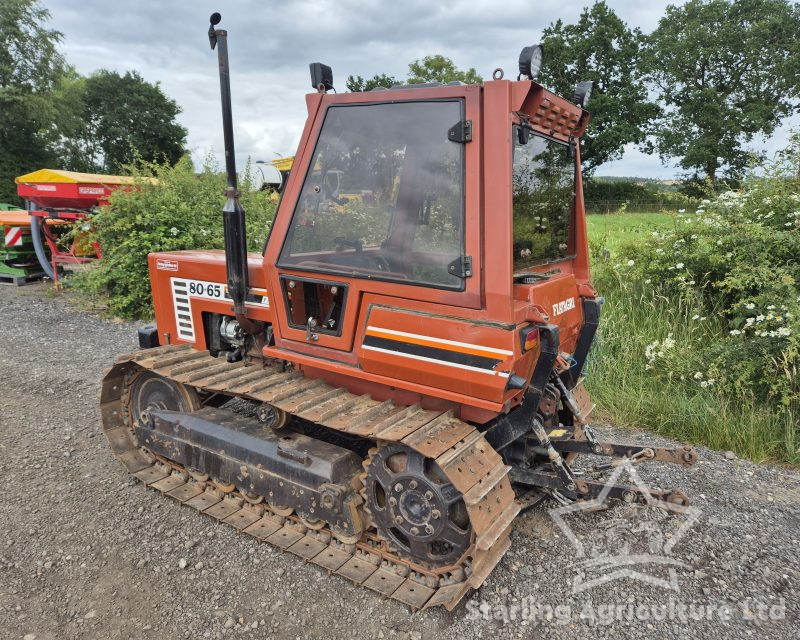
<point x="685" y="456"/>
<point x="590" y="489"/>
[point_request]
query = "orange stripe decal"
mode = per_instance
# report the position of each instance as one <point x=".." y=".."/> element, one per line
<point x="450" y="345"/>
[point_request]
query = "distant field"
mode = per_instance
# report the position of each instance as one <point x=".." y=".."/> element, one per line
<point x="622" y="227"/>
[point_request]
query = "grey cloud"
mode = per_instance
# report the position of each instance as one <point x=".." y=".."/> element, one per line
<point x="272" y="42"/>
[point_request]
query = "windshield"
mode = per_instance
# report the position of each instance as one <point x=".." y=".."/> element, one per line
<point x="543" y="189"/>
<point x="384" y="197"/>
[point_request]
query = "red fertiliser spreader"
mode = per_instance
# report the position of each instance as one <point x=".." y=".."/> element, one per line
<point x="57" y="201"/>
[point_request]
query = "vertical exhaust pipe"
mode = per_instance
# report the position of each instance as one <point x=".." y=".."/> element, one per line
<point x="233" y="218"/>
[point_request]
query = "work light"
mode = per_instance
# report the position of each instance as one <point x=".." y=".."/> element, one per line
<point x="583" y="91"/>
<point x="530" y="61"/>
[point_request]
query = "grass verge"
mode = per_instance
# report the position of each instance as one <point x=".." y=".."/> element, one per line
<point x="630" y="394"/>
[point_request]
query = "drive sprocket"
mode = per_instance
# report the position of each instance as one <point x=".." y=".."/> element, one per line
<point x="414" y="507"/>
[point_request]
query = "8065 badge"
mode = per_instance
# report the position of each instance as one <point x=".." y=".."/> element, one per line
<point x="185" y="290"/>
<point x="213" y="290"/>
<point x="219" y="291"/>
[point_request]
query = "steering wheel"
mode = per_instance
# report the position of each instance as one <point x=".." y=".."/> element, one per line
<point x="356" y="244"/>
<point x="382" y="263"/>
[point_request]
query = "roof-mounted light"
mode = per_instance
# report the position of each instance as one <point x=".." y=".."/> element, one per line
<point x="583" y="91"/>
<point x="321" y="77"/>
<point x="530" y="62"/>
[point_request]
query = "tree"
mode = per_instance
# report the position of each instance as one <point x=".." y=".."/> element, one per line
<point x="357" y="83"/>
<point x="600" y="47"/>
<point x="123" y="119"/>
<point x="30" y="66"/>
<point x="725" y="71"/>
<point x="438" y="68"/>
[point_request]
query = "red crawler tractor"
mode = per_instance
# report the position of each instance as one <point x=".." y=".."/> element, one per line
<point x="407" y="363"/>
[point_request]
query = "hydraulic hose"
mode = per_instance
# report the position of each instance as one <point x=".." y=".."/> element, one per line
<point x="38" y="246"/>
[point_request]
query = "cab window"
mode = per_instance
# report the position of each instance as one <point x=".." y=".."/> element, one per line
<point x="543" y="185"/>
<point x="383" y="197"/>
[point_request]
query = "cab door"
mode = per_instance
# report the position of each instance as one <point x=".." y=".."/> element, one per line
<point x="380" y="207"/>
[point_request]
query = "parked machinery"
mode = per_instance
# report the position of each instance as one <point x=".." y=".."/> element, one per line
<point x="405" y="366"/>
<point x="59" y="200"/>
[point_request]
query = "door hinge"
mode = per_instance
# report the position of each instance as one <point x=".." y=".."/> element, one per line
<point x="461" y="267"/>
<point x="460" y="132"/>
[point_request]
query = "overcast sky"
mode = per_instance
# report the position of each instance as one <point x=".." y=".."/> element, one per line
<point x="271" y="43"/>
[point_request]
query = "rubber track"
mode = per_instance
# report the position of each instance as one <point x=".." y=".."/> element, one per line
<point x="469" y="462"/>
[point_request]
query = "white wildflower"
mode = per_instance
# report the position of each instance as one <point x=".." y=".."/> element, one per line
<point x="698" y="375"/>
<point x="750" y="305"/>
<point x="735" y="332"/>
<point x="679" y="265"/>
<point x="631" y="263"/>
<point x="174" y="231"/>
<point x="681" y="210"/>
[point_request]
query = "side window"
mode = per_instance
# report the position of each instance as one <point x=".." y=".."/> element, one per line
<point x="384" y="197"/>
<point x="543" y="185"/>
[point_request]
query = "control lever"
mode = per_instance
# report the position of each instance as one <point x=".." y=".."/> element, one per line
<point x="311" y="334"/>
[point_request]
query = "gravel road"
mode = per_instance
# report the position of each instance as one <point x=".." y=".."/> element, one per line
<point x="87" y="553"/>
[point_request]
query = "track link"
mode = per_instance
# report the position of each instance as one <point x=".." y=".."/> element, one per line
<point x="467" y="460"/>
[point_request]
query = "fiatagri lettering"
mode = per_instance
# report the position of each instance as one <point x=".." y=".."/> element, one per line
<point x="563" y="306"/>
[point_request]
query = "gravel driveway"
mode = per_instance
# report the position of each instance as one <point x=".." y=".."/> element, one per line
<point x="87" y="553"/>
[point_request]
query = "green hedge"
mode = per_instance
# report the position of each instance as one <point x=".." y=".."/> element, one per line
<point x="178" y="210"/>
<point x="736" y="256"/>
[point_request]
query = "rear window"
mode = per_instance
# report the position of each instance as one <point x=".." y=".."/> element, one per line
<point x="543" y="185"/>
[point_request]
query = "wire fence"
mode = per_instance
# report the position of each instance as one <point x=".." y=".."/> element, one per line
<point x="653" y="206"/>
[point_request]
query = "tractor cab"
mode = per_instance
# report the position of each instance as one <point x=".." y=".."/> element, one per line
<point x="427" y="238"/>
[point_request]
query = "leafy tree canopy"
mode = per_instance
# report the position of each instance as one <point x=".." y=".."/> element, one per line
<point x="30" y="66"/>
<point x="602" y="48"/>
<point x="435" y="68"/>
<point x="122" y="118"/>
<point x="725" y="71"/>
<point x="357" y="83"/>
<point x="439" y="68"/>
